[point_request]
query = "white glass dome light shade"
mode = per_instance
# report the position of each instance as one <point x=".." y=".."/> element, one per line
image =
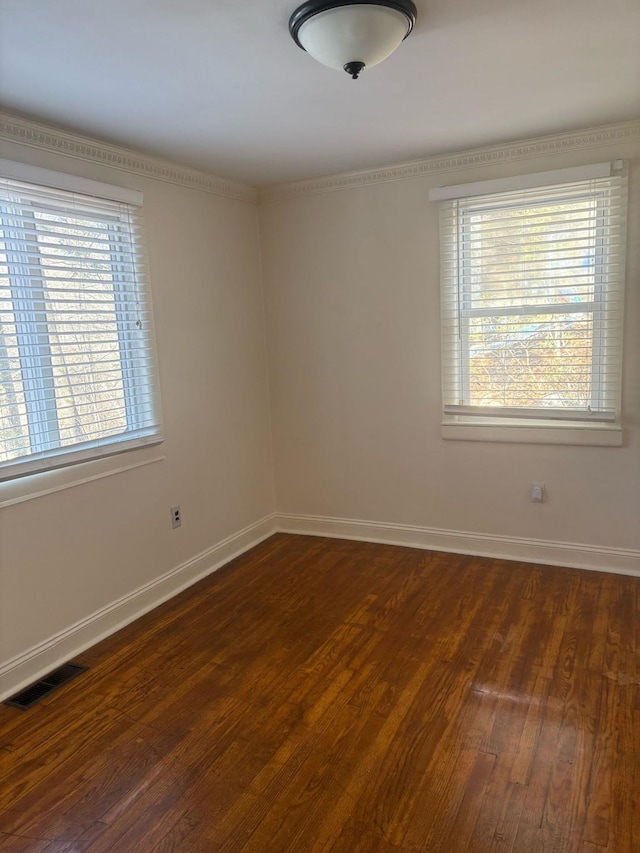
<point x="353" y="34"/>
<point x="346" y="34"/>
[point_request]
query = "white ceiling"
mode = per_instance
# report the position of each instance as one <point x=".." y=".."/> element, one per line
<point x="220" y="85"/>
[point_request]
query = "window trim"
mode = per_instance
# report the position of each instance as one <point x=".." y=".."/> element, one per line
<point x="44" y="457"/>
<point x="64" y="181"/>
<point x="525" y="182"/>
<point x="527" y="432"/>
<point x="29" y="488"/>
<point x="463" y="422"/>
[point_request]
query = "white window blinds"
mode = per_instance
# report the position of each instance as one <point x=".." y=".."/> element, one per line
<point x="78" y="378"/>
<point x="532" y="297"/>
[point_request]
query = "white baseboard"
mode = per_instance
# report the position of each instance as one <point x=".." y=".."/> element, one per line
<point x="617" y="560"/>
<point x="35" y="662"/>
<point x="38" y="660"/>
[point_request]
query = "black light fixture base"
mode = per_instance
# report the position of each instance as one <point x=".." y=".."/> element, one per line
<point x="354" y="69"/>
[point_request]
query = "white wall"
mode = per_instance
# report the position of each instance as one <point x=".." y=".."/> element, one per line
<point x="351" y="291"/>
<point x="65" y="555"/>
<point x="352" y="297"/>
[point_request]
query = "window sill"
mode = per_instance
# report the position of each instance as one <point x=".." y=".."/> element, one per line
<point x="541" y="432"/>
<point x="46" y="483"/>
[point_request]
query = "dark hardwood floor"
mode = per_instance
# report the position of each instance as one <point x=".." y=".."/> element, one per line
<point x="324" y="695"/>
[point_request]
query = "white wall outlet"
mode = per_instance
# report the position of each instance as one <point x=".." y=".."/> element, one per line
<point x="176" y="517"/>
<point x="537" y="493"/>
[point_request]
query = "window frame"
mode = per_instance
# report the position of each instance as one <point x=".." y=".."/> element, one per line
<point x="510" y="424"/>
<point x="140" y="383"/>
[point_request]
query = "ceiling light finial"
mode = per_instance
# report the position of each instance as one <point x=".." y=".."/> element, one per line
<point x="354" y="69"/>
<point x="352" y="34"/>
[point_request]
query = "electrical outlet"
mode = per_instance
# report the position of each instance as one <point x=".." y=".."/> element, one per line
<point x="537" y="493"/>
<point x="176" y="517"/>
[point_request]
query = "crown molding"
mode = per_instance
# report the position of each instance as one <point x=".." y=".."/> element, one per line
<point x="44" y="137"/>
<point x="594" y="138"/>
<point x="35" y="135"/>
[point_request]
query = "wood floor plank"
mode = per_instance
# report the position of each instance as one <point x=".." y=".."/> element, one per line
<point x="327" y="696"/>
<point x="472" y="799"/>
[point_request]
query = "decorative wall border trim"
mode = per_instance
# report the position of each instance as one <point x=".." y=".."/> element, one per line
<point x="594" y="138"/>
<point x="35" y="135"/>
<point x="47" y="655"/>
<point x="615" y="560"/>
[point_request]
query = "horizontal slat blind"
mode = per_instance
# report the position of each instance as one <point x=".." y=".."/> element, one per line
<point x="532" y="297"/>
<point x="78" y="378"/>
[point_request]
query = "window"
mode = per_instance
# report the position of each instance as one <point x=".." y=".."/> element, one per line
<point x="532" y="289"/>
<point x="77" y="373"/>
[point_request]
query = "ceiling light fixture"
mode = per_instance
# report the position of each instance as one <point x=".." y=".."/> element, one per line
<point x="352" y="34"/>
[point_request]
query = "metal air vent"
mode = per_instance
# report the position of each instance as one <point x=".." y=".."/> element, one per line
<point x="28" y="697"/>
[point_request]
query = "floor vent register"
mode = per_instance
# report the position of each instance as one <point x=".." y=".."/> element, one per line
<point x="32" y="694"/>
